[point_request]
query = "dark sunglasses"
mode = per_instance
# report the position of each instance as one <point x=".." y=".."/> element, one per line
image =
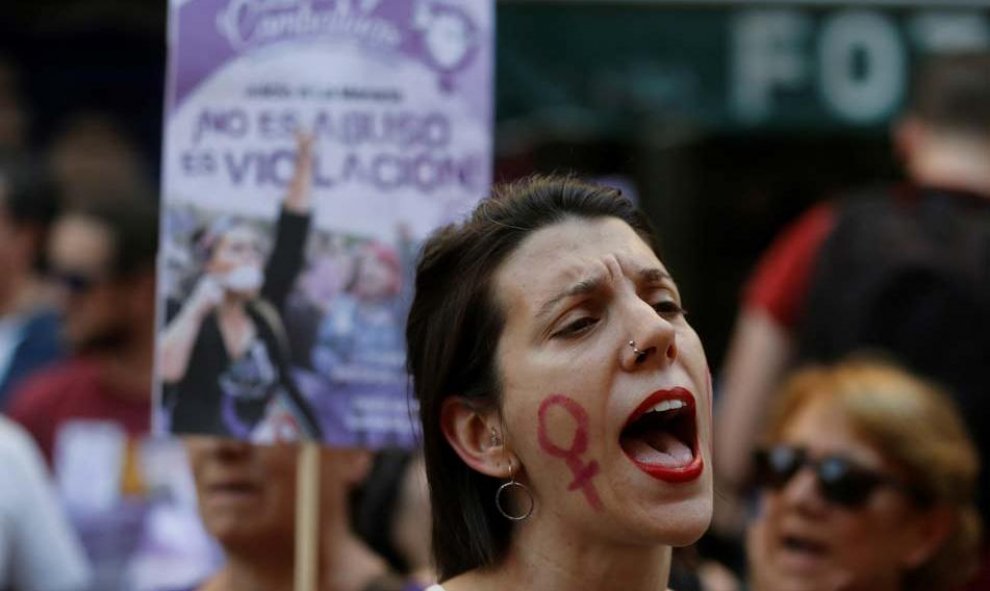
<point x="841" y="481"/>
<point x="74" y="282"/>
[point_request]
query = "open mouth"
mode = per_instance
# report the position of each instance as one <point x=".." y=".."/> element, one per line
<point x="802" y="553"/>
<point x="661" y="437"/>
<point x="803" y="545"/>
<point x="232" y="490"/>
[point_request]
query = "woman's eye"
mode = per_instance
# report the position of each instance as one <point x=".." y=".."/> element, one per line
<point x="577" y="327"/>
<point x="669" y="309"/>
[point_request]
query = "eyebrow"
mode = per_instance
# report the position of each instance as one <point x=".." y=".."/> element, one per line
<point x="582" y="287"/>
<point x="651" y="276"/>
<point x="655" y="275"/>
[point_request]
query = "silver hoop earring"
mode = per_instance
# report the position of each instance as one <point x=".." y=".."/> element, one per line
<point x="521" y="487"/>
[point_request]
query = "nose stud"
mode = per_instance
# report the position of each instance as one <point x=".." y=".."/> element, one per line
<point x="640" y="355"/>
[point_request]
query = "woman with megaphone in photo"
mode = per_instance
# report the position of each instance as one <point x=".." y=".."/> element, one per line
<point x="225" y="361"/>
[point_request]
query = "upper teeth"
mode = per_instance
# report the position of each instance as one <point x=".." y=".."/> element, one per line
<point x="668" y="405"/>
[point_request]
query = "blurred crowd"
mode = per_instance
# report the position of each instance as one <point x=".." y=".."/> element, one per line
<point x="836" y="469"/>
<point x="89" y="499"/>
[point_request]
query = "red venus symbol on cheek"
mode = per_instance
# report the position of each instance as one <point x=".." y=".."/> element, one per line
<point x="583" y="472"/>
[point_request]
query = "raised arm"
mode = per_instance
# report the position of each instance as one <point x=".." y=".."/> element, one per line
<point x="292" y="230"/>
<point x="759" y="354"/>
<point x="299" y="198"/>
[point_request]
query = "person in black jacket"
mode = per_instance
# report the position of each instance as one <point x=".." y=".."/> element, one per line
<point x="904" y="270"/>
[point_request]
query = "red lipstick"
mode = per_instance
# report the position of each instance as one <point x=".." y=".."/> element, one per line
<point x="660" y="437"/>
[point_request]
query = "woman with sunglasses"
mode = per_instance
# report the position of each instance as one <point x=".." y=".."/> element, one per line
<point x="868" y="481"/>
<point x="564" y="397"/>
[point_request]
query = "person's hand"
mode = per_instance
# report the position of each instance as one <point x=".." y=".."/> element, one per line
<point x="206" y="296"/>
<point x="297" y="200"/>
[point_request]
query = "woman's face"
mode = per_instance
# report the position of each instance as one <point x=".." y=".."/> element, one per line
<point x="801" y="541"/>
<point x="238" y="247"/>
<point x="577" y="398"/>
<point x="237" y="259"/>
<point x="246" y="493"/>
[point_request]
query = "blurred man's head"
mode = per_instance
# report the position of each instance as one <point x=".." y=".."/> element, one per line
<point x="944" y="137"/>
<point x="951" y="94"/>
<point x="103" y="257"/>
<point x="247" y="493"/>
<point x="93" y="159"/>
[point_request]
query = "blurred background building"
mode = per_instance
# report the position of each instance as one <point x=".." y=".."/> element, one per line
<point x="729" y="117"/>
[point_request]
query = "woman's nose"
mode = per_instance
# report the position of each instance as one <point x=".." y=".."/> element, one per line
<point x="226" y="449"/>
<point x="652" y="339"/>
<point x="802" y="492"/>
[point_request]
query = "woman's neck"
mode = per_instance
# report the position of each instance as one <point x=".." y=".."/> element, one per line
<point x="953" y="163"/>
<point x="242" y="574"/>
<point x="232" y="308"/>
<point x="552" y="560"/>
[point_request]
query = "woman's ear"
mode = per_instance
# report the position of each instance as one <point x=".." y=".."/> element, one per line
<point x="931" y="530"/>
<point x="476" y="436"/>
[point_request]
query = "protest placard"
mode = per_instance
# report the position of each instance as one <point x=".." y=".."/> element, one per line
<point x="310" y="146"/>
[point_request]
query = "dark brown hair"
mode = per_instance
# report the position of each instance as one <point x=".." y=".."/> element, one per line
<point x="452" y="335"/>
<point x="952" y="91"/>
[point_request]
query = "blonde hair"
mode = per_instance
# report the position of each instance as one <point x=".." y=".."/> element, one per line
<point x="915" y="426"/>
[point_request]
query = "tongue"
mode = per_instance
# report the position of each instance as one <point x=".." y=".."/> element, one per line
<point x="660" y="448"/>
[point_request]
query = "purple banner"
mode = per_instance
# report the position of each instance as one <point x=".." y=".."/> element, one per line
<point x="310" y="146"/>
